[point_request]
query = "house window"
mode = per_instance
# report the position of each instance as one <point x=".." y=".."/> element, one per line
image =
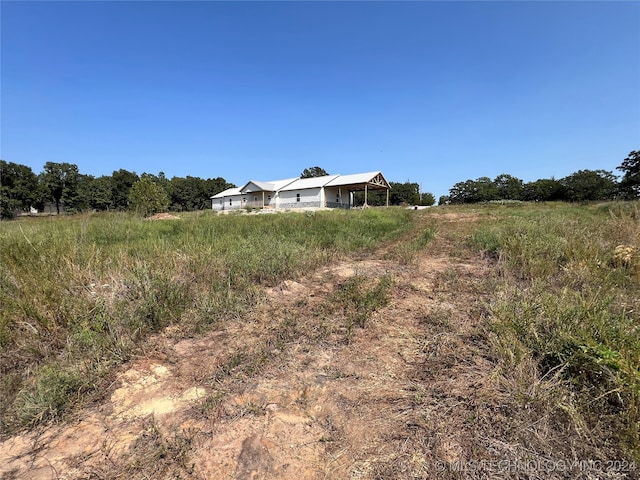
<point x="338" y="198"/>
<point x="297" y="197"/>
<point x="230" y="201"/>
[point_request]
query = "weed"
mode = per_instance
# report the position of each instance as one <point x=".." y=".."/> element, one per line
<point x="49" y="393"/>
<point x="357" y="299"/>
<point x="567" y="307"/>
<point x="156" y="454"/>
<point x="80" y="294"/>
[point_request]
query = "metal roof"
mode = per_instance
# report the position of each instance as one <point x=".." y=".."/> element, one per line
<point x="261" y="187"/>
<point x="228" y="193"/>
<point x="359" y="179"/>
<point x="272" y="186"/>
<point x="312" y="182"/>
<point x="280" y="184"/>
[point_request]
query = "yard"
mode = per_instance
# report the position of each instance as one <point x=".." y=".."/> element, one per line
<point x="380" y="343"/>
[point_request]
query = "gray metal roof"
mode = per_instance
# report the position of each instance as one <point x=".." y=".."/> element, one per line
<point x="354" y="178"/>
<point x="228" y="193"/>
<point x="313" y="182"/>
<point x="360" y="179"/>
<point x="261" y="187"/>
<point x="280" y="184"/>
<point x="271" y="186"/>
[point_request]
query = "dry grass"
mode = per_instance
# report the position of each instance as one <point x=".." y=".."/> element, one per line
<point x="80" y="294"/>
<point x="404" y="362"/>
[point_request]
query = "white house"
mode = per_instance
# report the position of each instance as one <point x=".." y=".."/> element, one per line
<point x="329" y="191"/>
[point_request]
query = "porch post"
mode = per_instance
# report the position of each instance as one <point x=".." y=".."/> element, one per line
<point x="365" y="196"/>
<point x="387" y="197"/>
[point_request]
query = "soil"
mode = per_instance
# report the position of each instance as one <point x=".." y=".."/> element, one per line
<point x="283" y="394"/>
<point x="163" y="216"/>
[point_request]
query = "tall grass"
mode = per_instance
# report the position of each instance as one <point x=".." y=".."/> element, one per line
<point x="79" y="294"/>
<point x="567" y="305"/>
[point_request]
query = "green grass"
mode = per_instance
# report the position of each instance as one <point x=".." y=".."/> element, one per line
<point x="406" y="251"/>
<point x="79" y="294"/>
<point x="564" y="304"/>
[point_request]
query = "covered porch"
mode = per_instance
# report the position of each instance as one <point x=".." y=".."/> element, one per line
<point x="364" y="182"/>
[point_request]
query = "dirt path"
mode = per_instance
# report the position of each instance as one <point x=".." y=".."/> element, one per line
<point x="296" y="390"/>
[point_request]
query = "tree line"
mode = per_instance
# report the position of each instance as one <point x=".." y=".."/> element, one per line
<point x="581" y="186"/>
<point x="61" y="187"/>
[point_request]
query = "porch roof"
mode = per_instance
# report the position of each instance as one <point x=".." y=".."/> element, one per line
<point x="357" y="181"/>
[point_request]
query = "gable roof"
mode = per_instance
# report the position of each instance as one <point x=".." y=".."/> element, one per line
<point x="227" y="193"/>
<point x="256" y="186"/>
<point x="272" y="186"/>
<point x="374" y="180"/>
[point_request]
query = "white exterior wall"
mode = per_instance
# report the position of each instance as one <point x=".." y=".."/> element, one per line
<point x="336" y="197"/>
<point x="311" y="197"/>
<point x="220" y="204"/>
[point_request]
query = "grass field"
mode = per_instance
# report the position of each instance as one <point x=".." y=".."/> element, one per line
<point x="565" y="313"/>
<point x="80" y="295"/>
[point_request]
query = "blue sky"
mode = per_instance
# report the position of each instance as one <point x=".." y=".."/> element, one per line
<point x="431" y="92"/>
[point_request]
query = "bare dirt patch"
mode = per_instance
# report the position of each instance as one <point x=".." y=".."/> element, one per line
<point x="291" y="392"/>
<point x="163" y="216"/>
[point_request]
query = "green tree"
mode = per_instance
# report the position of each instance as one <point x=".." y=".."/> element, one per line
<point x="444" y="200"/>
<point x="543" y="190"/>
<point x="121" y="183"/>
<point x="83" y="199"/>
<point x="313" y="172"/>
<point x="630" y="183"/>
<point x="462" y="192"/>
<point x="160" y="180"/>
<point x="189" y="193"/>
<point x="427" y="199"/>
<point x="147" y="198"/>
<point x="18" y="188"/>
<point x="404" y="193"/>
<point x="60" y="181"/>
<point x="94" y="193"/>
<point x="586" y="185"/>
<point x="101" y="193"/>
<point x="509" y="188"/>
<point x="473" y="191"/>
<point x="486" y="190"/>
